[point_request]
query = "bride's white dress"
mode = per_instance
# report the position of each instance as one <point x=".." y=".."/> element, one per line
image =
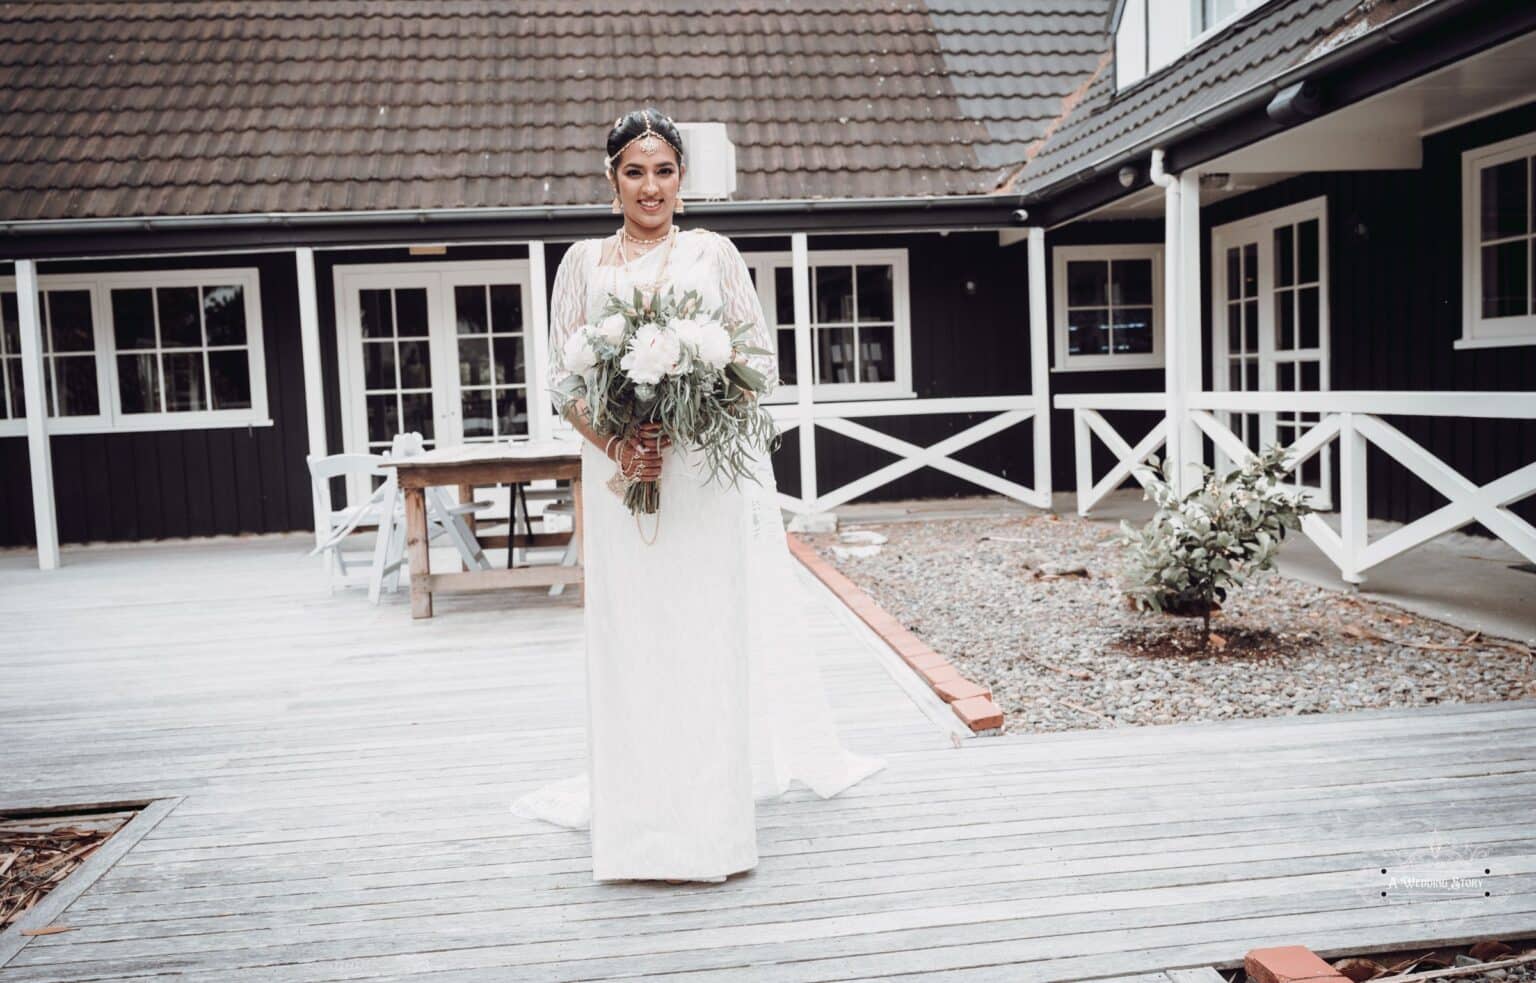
<point x="703" y="688"/>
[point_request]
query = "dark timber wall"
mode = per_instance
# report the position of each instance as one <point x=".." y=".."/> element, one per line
<point x="160" y="484"/>
<point x="1395" y="302"/>
<point x="1395" y="310"/>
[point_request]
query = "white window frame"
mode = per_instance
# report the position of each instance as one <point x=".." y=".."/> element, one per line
<point x="112" y="419"/>
<point x="438" y="279"/>
<point x="1108" y="361"/>
<point x="763" y="265"/>
<point x="1199" y="37"/>
<point x="1262" y="227"/>
<point x="1476" y="330"/>
<point x="1139" y="54"/>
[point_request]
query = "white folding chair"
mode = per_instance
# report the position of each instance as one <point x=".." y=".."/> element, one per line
<point x="334" y="527"/>
<point x="443" y="519"/>
<point x="384" y="512"/>
<point x="564" y="506"/>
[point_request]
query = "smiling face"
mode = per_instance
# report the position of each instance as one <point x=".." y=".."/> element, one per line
<point x="647" y="186"/>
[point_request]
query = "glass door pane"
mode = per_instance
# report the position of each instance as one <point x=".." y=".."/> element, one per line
<point x="397" y="365"/>
<point x="491" y="340"/>
<point x="1240" y="309"/>
<point x="1296" y="344"/>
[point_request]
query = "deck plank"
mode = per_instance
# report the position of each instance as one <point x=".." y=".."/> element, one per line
<point x="346" y="774"/>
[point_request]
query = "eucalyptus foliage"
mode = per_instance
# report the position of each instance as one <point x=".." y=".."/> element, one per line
<point x="1217" y="537"/>
<point x="708" y="408"/>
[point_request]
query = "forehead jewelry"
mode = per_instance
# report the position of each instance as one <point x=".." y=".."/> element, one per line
<point x="649" y="140"/>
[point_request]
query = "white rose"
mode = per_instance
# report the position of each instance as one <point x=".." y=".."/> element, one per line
<point x="611" y="329"/>
<point x="714" y="344"/>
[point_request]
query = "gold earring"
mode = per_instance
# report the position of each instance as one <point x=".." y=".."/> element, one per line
<point x="617" y="208"/>
<point x="679" y="208"/>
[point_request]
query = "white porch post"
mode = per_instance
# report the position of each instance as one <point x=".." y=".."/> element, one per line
<point x="1173" y="382"/>
<point x="309" y="342"/>
<point x="44" y="516"/>
<point x="1182" y="343"/>
<point x="314" y="384"/>
<point x="1191" y="341"/>
<point x="800" y="257"/>
<point x="1039" y="365"/>
<point x="540" y="415"/>
<point x="1353" y="499"/>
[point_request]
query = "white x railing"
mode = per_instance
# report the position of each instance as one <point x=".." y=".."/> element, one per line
<point x="1353" y="419"/>
<point x="839" y="418"/>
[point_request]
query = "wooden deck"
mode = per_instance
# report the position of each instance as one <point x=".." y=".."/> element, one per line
<point x="334" y="781"/>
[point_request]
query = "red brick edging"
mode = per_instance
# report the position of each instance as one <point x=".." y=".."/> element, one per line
<point x="971" y="703"/>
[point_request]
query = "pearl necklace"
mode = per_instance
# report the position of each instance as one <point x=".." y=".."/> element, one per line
<point x="634" y="238"/>
<point x="671" y="238"/>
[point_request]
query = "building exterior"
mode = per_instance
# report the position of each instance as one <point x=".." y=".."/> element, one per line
<point x="1043" y="241"/>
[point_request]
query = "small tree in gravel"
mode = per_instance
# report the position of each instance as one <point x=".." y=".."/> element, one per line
<point x="1195" y="548"/>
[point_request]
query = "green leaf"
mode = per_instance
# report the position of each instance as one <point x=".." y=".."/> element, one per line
<point x="747" y="376"/>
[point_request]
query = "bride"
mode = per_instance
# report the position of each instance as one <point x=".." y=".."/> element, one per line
<point x="703" y="694"/>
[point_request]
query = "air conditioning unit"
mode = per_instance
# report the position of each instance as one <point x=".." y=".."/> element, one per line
<point x="711" y="160"/>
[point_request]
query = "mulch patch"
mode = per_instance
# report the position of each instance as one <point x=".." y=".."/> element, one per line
<point x="38" y="852"/>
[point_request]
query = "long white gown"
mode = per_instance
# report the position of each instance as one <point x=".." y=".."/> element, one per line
<point x="703" y="689"/>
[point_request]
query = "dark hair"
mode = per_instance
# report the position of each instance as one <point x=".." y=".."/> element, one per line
<point x="632" y="124"/>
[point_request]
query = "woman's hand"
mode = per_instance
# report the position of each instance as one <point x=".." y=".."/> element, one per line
<point x="640" y="455"/>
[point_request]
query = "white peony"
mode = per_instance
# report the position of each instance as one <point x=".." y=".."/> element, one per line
<point x="578" y="354"/>
<point x="653" y="352"/>
<point x="611" y="329"/>
<point x="706" y="340"/>
<point x="714" y="345"/>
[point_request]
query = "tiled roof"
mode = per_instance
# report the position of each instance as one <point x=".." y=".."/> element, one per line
<point x="221" y="107"/>
<point x="1277" y="36"/>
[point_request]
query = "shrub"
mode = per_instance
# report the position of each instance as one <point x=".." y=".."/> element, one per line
<point x="1196" y="548"/>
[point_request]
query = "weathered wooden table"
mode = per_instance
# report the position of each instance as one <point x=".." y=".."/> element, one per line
<point x="471" y="465"/>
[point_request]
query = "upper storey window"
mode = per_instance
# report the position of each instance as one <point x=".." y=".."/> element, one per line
<point x="1150" y="34"/>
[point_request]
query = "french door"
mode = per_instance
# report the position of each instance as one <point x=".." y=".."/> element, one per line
<point x="441" y="349"/>
<point x="1270" y="305"/>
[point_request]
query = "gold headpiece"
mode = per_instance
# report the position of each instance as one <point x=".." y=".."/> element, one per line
<point x="647" y="138"/>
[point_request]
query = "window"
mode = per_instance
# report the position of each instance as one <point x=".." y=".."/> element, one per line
<point x="1498" y="199"/>
<point x="1209" y="16"/>
<point x="141" y="351"/>
<point x="1150" y="34"/>
<point x="67" y="321"/>
<point x="11" y="407"/>
<point x="860" y="330"/>
<point x="1108" y="307"/>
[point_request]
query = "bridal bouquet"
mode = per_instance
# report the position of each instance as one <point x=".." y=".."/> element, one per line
<point x="659" y="358"/>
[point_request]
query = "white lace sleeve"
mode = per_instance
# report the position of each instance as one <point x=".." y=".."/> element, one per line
<point x="742" y="303"/>
<point x="567" y="312"/>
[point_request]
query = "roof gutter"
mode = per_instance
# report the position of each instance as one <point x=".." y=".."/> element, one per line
<point x="63" y="238"/>
<point x="535" y="212"/>
<point x="1407" y="26"/>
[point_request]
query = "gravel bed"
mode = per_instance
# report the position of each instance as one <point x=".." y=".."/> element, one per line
<point x="1030" y="606"/>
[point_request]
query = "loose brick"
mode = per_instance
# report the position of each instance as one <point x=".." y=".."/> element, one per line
<point x="1289" y="964"/>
